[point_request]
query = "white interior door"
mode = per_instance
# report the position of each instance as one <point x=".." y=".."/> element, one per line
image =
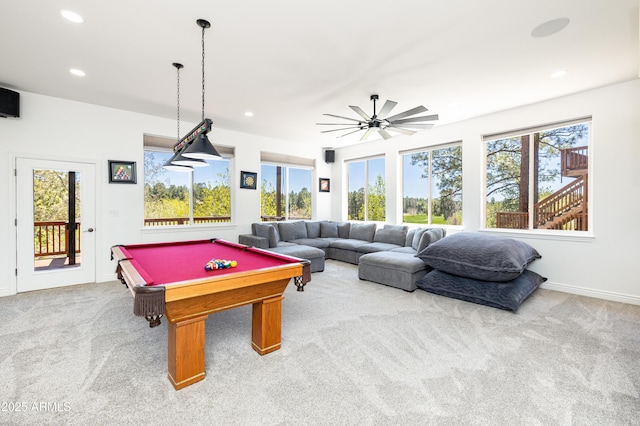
<point x="43" y="237"/>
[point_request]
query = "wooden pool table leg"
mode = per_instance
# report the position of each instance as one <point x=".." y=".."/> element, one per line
<point x="266" y="325"/>
<point x="186" y="351"/>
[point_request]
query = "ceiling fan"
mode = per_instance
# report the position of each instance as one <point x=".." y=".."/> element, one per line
<point x="380" y="123"/>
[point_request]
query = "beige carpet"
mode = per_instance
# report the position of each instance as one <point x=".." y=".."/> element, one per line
<point x="353" y="352"/>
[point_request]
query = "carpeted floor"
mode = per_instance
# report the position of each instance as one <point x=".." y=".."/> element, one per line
<point x="353" y="352"/>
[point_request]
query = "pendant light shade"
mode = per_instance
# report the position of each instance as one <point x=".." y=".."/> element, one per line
<point x="202" y="149"/>
<point x="168" y="165"/>
<point x="181" y="160"/>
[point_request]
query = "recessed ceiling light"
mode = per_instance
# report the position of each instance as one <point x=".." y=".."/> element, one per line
<point x="550" y="27"/>
<point x="77" y="72"/>
<point x="248" y="114"/>
<point x="72" y="16"/>
<point x="559" y="73"/>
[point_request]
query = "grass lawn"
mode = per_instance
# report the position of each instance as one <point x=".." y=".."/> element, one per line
<point x="422" y="219"/>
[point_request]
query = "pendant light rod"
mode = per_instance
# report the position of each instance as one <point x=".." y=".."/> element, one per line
<point x="204" y="24"/>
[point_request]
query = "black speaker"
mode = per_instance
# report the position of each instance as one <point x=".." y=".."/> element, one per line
<point x="9" y="103"/>
<point x="329" y="156"/>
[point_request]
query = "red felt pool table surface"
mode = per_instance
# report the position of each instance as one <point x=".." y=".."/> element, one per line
<point x="169" y="263"/>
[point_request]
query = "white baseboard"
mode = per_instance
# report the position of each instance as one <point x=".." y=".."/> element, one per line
<point x="598" y="294"/>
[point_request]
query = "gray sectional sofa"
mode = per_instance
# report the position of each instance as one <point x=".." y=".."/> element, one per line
<point x="386" y="255"/>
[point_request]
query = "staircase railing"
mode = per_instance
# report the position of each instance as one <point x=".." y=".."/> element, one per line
<point x="560" y="202"/>
<point x="512" y="220"/>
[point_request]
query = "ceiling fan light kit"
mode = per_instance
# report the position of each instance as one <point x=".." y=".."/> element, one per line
<point x="380" y="123"/>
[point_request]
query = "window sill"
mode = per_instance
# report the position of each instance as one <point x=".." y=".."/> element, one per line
<point x="575" y="236"/>
<point x="186" y="228"/>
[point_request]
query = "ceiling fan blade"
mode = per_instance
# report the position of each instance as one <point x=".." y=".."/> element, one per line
<point x="366" y="134"/>
<point x="360" y="112"/>
<point x="386" y="109"/>
<point x="403" y="131"/>
<point x="341" y="136"/>
<point x="333" y="124"/>
<point x="414" y="111"/>
<point x="414" y="119"/>
<point x="337" y="130"/>
<point x="419" y="126"/>
<point x="344" y="118"/>
<point x="384" y="134"/>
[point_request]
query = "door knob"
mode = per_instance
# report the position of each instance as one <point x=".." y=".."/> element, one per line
<point x="90" y="230"/>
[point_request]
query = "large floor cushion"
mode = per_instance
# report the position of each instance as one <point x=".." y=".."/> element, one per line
<point x="391" y="268"/>
<point x="507" y="295"/>
<point x="313" y="254"/>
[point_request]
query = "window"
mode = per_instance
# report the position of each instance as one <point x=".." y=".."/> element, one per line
<point x="179" y="198"/>
<point x="432" y="186"/>
<point x="285" y="192"/>
<point x="366" y="197"/>
<point x="537" y="178"/>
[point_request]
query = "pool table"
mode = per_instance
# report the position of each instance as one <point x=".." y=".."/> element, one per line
<point x="169" y="279"/>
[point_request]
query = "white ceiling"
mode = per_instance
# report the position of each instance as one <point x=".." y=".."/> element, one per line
<point x="291" y="61"/>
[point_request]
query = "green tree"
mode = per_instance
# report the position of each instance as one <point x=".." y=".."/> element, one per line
<point x="376" y="205"/>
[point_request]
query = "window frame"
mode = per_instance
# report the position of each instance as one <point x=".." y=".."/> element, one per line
<point x="227" y="154"/>
<point x="286" y="167"/>
<point x="365" y="160"/>
<point x="563" y="235"/>
<point x="430" y="150"/>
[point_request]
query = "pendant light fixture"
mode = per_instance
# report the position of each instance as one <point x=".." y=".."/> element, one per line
<point x="201" y="148"/>
<point x="177" y="162"/>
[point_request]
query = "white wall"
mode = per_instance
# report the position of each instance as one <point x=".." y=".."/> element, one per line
<point x="53" y="128"/>
<point x="603" y="265"/>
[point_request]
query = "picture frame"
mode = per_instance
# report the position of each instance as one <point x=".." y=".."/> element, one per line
<point x="325" y="185"/>
<point x="122" y="171"/>
<point x="248" y="180"/>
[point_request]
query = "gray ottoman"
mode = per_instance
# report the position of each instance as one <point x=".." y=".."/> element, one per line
<point x="312" y="254"/>
<point x="400" y="270"/>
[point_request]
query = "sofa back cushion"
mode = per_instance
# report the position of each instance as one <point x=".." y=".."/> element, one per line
<point x="416" y="238"/>
<point x="391" y="234"/>
<point x="343" y="229"/>
<point x="313" y="229"/>
<point x="409" y="238"/>
<point x="268" y="231"/>
<point x="362" y="231"/>
<point x="328" y="230"/>
<point x="292" y="230"/>
<point x="430" y="236"/>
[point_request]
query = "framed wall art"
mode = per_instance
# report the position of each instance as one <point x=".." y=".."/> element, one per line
<point x="122" y="171"/>
<point x="248" y="180"/>
<point x="325" y="185"/>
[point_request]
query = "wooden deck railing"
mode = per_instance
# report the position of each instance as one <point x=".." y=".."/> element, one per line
<point x="170" y="221"/>
<point x="574" y="161"/>
<point x="512" y="220"/>
<point x="51" y="238"/>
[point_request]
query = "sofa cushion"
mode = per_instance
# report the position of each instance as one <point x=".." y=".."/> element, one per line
<point x="328" y="230"/>
<point x="405" y="250"/>
<point x="292" y="230"/>
<point x="480" y="256"/>
<point x="409" y="239"/>
<point x="376" y="247"/>
<point x="313" y="229"/>
<point x="321" y="243"/>
<point x="362" y="231"/>
<point x="416" y="237"/>
<point x="507" y="295"/>
<point x="343" y="229"/>
<point x="347" y="244"/>
<point x="391" y="234"/>
<point x="267" y="231"/>
<point x="430" y="236"/>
